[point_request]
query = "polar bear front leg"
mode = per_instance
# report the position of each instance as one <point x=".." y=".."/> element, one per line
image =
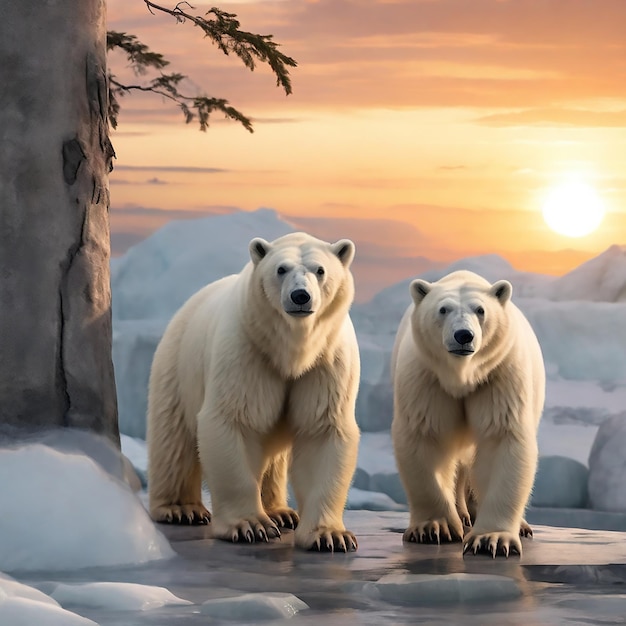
<point x="321" y="471"/>
<point x="232" y="466"/>
<point x="427" y="469"/>
<point x="503" y="474"/>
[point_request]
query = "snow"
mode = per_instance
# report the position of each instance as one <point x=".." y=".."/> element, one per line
<point x="90" y="518"/>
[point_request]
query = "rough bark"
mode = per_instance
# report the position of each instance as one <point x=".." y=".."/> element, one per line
<point x="55" y="156"/>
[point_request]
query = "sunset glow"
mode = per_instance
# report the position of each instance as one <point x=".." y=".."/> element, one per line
<point x="446" y="123"/>
<point x="573" y="208"/>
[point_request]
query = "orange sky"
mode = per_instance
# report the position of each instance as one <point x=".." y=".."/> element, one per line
<point x="429" y="128"/>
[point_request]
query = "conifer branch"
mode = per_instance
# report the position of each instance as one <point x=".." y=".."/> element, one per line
<point x="223" y="30"/>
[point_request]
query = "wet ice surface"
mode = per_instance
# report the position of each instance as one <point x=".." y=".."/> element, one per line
<point x="565" y="576"/>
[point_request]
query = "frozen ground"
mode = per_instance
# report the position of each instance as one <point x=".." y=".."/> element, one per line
<point x="77" y="546"/>
<point x="565" y="576"/>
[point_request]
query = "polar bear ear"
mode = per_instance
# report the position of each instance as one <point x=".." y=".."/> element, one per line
<point x="344" y="250"/>
<point x="502" y="291"/>
<point x="259" y="249"/>
<point x="419" y="289"/>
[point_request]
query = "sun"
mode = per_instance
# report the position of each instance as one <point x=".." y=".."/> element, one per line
<point x="573" y="208"/>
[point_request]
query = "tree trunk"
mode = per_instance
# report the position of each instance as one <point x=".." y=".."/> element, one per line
<point x="55" y="156"/>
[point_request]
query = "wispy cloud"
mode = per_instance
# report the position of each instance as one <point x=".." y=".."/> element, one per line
<point x="171" y="168"/>
<point x="557" y="117"/>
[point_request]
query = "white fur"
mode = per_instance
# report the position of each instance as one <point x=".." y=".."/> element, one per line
<point x="466" y="425"/>
<point x="241" y="390"/>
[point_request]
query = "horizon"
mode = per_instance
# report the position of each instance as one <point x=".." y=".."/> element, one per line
<point x="431" y="128"/>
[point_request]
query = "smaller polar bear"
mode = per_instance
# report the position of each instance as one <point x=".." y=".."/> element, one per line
<point x="256" y="376"/>
<point x="469" y="387"/>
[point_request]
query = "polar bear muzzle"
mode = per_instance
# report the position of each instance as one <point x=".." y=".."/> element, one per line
<point x="302" y="299"/>
<point x="464" y="338"/>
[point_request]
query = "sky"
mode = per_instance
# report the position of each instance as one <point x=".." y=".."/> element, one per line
<point x="434" y="128"/>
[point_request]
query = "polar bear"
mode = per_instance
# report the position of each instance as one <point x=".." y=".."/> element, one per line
<point x="256" y="378"/>
<point x="469" y="387"/>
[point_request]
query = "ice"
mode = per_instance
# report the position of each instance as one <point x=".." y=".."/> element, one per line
<point x="602" y="278"/>
<point x="65" y="512"/>
<point x="22" y="605"/>
<point x="254" y="606"/>
<point x="115" y="596"/>
<point x="16" y="611"/>
<point x="154" y="278"/>
<point x="420" y="589"/>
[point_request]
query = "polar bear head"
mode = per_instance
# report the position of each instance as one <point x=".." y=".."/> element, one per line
<point x="303" y="277"/>
<point x="461" y="316"/>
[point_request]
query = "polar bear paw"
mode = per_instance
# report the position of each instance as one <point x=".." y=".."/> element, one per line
<point x="247" y="530"/>
<point x="433" y="531"/>
<point x="500" y="542"/>
<point x="181" y="514"/>
<point x="525" y="530"/>
<point x="284" y="517"/>
<point x="325" y="539"/>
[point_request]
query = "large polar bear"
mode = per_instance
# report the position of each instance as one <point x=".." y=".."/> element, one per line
<point x="469" y="387"/>
<point x="256" y="376"/>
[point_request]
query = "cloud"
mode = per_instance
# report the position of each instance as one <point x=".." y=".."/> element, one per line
<point x="171" y="168"/>
<point x="557" y="117"/>
<point x="412" y="53"/>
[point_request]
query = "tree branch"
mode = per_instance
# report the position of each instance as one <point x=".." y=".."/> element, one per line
<point x="224" y="32"/>
<point x="162" y="86"/>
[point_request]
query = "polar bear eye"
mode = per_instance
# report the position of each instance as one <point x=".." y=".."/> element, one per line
<point x="320" y="271"/>
<point x="443" y="310"/>
<point x="480" y="311"/>
<point x="281" y="270"/>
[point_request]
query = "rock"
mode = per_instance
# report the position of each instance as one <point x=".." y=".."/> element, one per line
<point x="361" y="480"/>
<point x="374" y="406"/>
<point x="361" y="500"/>
<point x="389" y="484"/>
<point x="420" y="589"/>
<point x="607" y="466"/>
<point x="560" y="482"/>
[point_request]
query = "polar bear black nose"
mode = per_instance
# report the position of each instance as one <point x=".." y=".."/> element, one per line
<point x="300" y="296"/>
<point x="463" y="336"/>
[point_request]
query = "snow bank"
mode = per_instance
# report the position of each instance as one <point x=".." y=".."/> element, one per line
<point x="65" y="512"/>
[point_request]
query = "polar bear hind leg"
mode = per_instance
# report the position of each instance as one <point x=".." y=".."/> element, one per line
<point x="274" y="493"/>
<point x="174" y="472"/>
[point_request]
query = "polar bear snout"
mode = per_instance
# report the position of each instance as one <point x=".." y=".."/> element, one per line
<point x="463" y="343"/>
<point x="299" y="303"/>
<point x="464" y="336"/>
<point x="300" y="296"/>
